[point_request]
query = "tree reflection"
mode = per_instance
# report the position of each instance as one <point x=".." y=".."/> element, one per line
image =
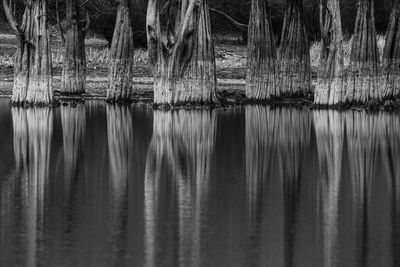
<point x="329" y="129"/>
<point x="275" y="144"/>
<point x="33" y="130"/>
<point x="120" y="146"/>
<point x="364" y="131"/>
<point x="176" y="183"/>
<point x="73" y="120"/>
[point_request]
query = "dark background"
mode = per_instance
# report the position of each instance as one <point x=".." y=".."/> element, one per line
<point x="103" y="15"/>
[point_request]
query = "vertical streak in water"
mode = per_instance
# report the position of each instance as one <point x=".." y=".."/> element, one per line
<point x="120" y="146"/>
<point x="264" y="188"/>
<point x="362" y="132"/>
<point x="329" y="129"/>
<point x="73" y="121"/>
<point x="33" y="130"/>
<point x="294" y="132"/>
<point x="180" y="153"/>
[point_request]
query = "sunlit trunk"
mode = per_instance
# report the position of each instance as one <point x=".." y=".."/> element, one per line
<point x="33" y="68"/>
<point x="121" y="56"/>
<point x="177" y="172"/>
<point x="294" y="54"/>
<point x="391" y="53"/>
<point x="329" y="90"/>
<point x="261" y="54"/>
<point x="183" y="62"/>
<point x="73" y="78"/>
<point x="363" y="82"/>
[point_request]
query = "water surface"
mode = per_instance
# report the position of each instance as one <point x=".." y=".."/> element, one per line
<point x="100" y="185"/>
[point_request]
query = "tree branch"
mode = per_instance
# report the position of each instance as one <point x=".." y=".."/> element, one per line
<point x="236" y="24"/>
<point x="60" y="29"/>
<point x="11" y="19"/>
<point x="87" y="26"/>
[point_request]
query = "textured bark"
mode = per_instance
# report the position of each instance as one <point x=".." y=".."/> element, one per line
<point x="391" y="53"/>
<point x="73" y="78"/>
<point x="294" y="54"/>
<point x="329" y="90"/>
<point x="32" y="71"/>
<point x="183" y="61"/>
<point x="363" y="76"/>
<point x="261" y="54"/>
<point x="121" y="56"/>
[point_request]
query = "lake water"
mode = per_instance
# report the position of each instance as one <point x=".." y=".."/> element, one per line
<point x="100" y="185"/>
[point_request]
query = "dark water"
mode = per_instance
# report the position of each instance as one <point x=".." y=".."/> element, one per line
<point x="98" y="185"/>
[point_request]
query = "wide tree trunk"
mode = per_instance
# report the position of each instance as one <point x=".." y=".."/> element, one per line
<point x="32" y="71"/>
<point x="391" y="53"/>
<point x="121" y="56"/>
<point x="183" y="61"/>
<point x="261" y="54"/>
<point x="363" y="76"/>
<point x="73" y="78"/>
<point x="330" y="74"/>
<point x="294" y="54"/>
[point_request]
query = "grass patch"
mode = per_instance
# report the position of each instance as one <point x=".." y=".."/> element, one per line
<point x="227" y="56"/>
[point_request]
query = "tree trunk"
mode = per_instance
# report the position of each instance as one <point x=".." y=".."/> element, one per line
<point x="330" y="74"/>
<point x="294" y="54"/>
<point x="363" y="79"/>
<point x="261" y="54"/>
<point x="121" y="56"/>
<point x="391" y="53"/>
<point x="33" y="73"/>
<point x="183" y="62"/>
<point x="74" y="66"/>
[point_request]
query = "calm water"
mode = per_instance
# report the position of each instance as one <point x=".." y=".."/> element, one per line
<point x="98" y="185"/>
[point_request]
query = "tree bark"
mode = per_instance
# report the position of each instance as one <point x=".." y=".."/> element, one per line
<point x="331" y="68"/>
<point x="261" y="54"/>
<point x="183" y="61"/>
<point x="294" y="54"/>
<point x="363" y="76"/>
<point x="391" y="53"/>
<point x="73" y="78"/>
<point x="33" y="68"/>
<point x="121" y="56"/>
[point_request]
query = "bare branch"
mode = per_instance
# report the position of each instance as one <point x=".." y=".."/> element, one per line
<point x="236" y="24"/>
<point x="60" y="29"/>
<point x="87" y="26"/>
<point x="11" y="19"/>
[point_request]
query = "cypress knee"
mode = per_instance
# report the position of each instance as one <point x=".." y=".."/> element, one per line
<point x="329" y="90"/>
<point x="183" y="57"/>
<point x="391" y="53"/>
<point x="261" y="54"/>
<point x="73" y="78"/>
<point x="121" y="56"/>
<point x="32" y="71"/>
<point x="363" y="76"/>
<point x="294" y="54"/>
